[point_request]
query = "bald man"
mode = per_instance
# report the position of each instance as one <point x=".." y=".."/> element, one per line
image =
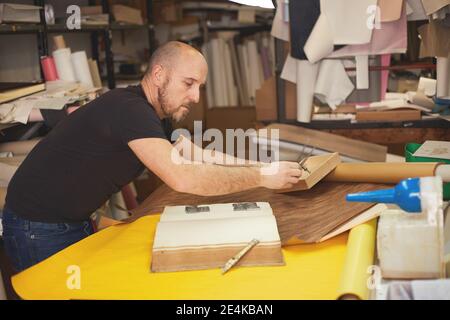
<point x="105" y="145"/>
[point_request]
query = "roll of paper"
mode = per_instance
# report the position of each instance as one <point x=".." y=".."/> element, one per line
<point x="59" y="42"/>
<point x="362" y="72"/>
<point x="63" y="64"/>
<point x="81" y="67"/>
<point x="380" y="172"/>
<point x="93" y="67"/>
<point x="306" y="82"/>
<point x="442" y="75"/>
<point x="49" y="69"/>
<point x="358" y="260"/>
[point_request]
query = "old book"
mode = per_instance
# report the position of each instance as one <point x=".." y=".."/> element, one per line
<point x="308" y="215"/>
<point x="206" y="236"/>
<point x="318" y="167"/>
<point x="19" y="92"/>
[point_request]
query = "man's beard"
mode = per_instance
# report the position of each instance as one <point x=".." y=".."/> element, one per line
<point x="164" y="103"/>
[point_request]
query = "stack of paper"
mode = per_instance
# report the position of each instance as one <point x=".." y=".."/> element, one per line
<point x="238" y="67"/>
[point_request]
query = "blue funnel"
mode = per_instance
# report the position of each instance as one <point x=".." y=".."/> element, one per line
<point x="406" y="195"/>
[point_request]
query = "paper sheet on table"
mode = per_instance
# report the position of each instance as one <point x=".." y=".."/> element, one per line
<point x="15" y="112"/>
<point x="434" y="149"/>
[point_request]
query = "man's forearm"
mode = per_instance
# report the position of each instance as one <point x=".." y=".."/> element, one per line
<point x="211" y="180"/>
<point x="194" y="153"/>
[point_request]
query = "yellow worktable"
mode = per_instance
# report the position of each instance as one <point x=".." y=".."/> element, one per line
<point x="115" y="264"/>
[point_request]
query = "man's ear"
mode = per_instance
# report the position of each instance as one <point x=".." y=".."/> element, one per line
<point x="158" y="75"/>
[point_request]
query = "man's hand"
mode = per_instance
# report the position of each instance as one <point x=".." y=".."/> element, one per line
<point x="164" y="160"/>
<point x="280" y="175"/>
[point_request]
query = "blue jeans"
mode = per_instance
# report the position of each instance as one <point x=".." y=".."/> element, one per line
<point x="28" y="242"/>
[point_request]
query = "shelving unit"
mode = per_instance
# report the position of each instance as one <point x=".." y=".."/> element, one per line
<point x="42" y="30"/>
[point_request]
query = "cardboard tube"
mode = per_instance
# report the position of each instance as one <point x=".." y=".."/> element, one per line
<point x="59" y="42"/>
<point x="49" y="69"/>
<point x="358" y="259"/>
<point x="381" y="172"/>
<point x="64" y="65"/>
<point x="81" y="67"/>
<point x="362" y="72"/>
<point x="442" y="76"/>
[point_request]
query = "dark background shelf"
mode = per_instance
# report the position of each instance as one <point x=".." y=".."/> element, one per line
<point x="42" y="30"/>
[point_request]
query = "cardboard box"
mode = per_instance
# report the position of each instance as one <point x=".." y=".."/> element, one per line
<point x="10" y="12"/>
<point x="127" y="14"/>
<point x="266" y="101"/>
<point x="167" y="11"/>
<point x="91" y="10"/>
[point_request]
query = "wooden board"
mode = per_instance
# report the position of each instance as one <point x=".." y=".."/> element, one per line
<point x="321" y="140"/>
<point x="319" y="167"/>
<point x="392" y="115"/>
<point x="308" y="215"/>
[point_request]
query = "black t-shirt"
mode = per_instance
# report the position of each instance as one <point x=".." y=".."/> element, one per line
<point x="85" y="158"/>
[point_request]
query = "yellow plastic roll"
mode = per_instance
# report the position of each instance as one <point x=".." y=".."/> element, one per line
<point x="115" y="264"/>
<point x="358" y="259"/>
<point x="380" y="172"/>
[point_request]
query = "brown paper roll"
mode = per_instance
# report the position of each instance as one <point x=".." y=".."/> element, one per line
<point x="380" y="172"/>
<point x="59" y="42"/>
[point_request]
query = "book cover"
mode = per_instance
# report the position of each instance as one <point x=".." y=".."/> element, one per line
<point x="207" y="236"/>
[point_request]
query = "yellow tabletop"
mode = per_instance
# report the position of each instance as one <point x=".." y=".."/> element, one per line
<point x="115" y="264"/>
